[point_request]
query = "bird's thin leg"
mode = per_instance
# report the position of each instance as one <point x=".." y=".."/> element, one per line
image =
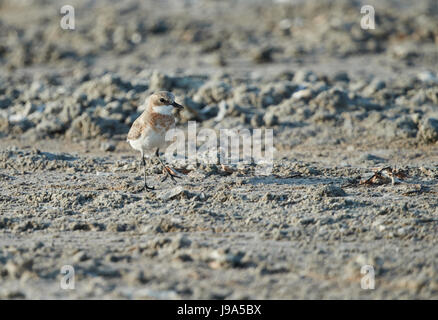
<point x="145" y="186"/>
<point x="169" y="171"/>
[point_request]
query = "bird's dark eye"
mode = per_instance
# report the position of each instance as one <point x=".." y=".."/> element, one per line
<point x="162" y="100"/>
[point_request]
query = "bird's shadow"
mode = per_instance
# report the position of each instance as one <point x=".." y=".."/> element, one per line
<point x="62" y="156"/>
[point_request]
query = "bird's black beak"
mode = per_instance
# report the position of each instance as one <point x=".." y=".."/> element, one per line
<point x="177" y="105"/>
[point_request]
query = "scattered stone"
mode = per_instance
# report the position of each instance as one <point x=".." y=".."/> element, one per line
<point x="256" y="120"/>
<point x="107" y="146"/>
<point x="172" y="193"/>
<point x="270" y="119"/>
<point x="428" y="130"/>
<point x="331" y="191"/>
<point x="16" y="269"/>
<point x="225" y="258"/>
<point x="306" y="221"/>
<point x="264" y="55"/>
<point x="305" y="76"/>
<point x="80" y="256"/>
<point x="333" y="100"/>
<point x="374" y="86"/>
<point x="428" y="77"/>
<point x="181" y="241"/>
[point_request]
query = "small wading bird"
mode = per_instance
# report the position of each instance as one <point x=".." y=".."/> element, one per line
<point x="148" y="131"/>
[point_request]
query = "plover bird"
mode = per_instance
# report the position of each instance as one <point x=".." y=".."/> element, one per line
<point x="148" y="131"/>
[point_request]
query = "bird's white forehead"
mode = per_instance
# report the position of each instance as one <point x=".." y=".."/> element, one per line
<point x="164" y="110"/>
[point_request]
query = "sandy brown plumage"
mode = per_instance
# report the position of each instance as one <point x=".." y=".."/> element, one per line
<point x="136" y="129"/>
<point x="148" y="131"/>
<point x="159" y="122"/>
<point x="150" y="121"/>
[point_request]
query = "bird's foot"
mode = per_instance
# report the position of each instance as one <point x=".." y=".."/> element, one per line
<point x="170" y="173"/>
<point x="145" y="187"/>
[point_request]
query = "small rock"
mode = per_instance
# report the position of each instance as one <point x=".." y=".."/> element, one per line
<point x="303" y="94"/>
<point x="17" y="268"/>
<point x="181" y="241"/>
<point x="331" y="191"/>
<point x="428" y="77"/>
<point x="374" y="86"/>
<point x="135" y="277"/>
<point x="428" y="130"/>
<point x="256" y="120"/>
<point x="263" y="55"/>
<point x="225" y="258"/>
<point x="5" y="103"/>
<point x="171" y="193"/>
<point x="270" y="119"/>
<point x="107" y="146"/>
<point x="306" y="221"/>
<point x="341" y="76"/>
<point x="160" y="81"/>
<point x="305" y="76"/>
<point x="13" y="294"/>
<point x="80" y="256"/>
<point x="371" y="157"/>
<point x="212" y="92"/>
<point x="333" y="100"/>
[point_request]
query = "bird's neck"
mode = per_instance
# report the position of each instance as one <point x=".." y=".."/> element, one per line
<point x="151" y="112"/>
<point x="161" y="110"/>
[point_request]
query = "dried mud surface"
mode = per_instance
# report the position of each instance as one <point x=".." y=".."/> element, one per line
<point x="343" y="102"/>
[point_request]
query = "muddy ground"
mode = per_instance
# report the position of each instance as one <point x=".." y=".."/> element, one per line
<point x="344" y="104"/>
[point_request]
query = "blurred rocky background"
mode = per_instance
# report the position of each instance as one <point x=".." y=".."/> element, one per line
<point x="301" y="67"/>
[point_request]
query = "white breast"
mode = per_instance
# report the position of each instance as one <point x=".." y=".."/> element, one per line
<point x="149" y="142"/>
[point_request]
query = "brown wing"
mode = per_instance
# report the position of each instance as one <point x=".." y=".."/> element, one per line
<point x="136" y="129"/>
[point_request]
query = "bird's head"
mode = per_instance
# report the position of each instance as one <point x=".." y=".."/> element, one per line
<point x="163" y="102"/>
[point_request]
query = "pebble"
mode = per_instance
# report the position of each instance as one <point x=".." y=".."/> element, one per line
<point x="428" y="130"/>
<point x="107" y="146"/>
<point x="331" y="191"/>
